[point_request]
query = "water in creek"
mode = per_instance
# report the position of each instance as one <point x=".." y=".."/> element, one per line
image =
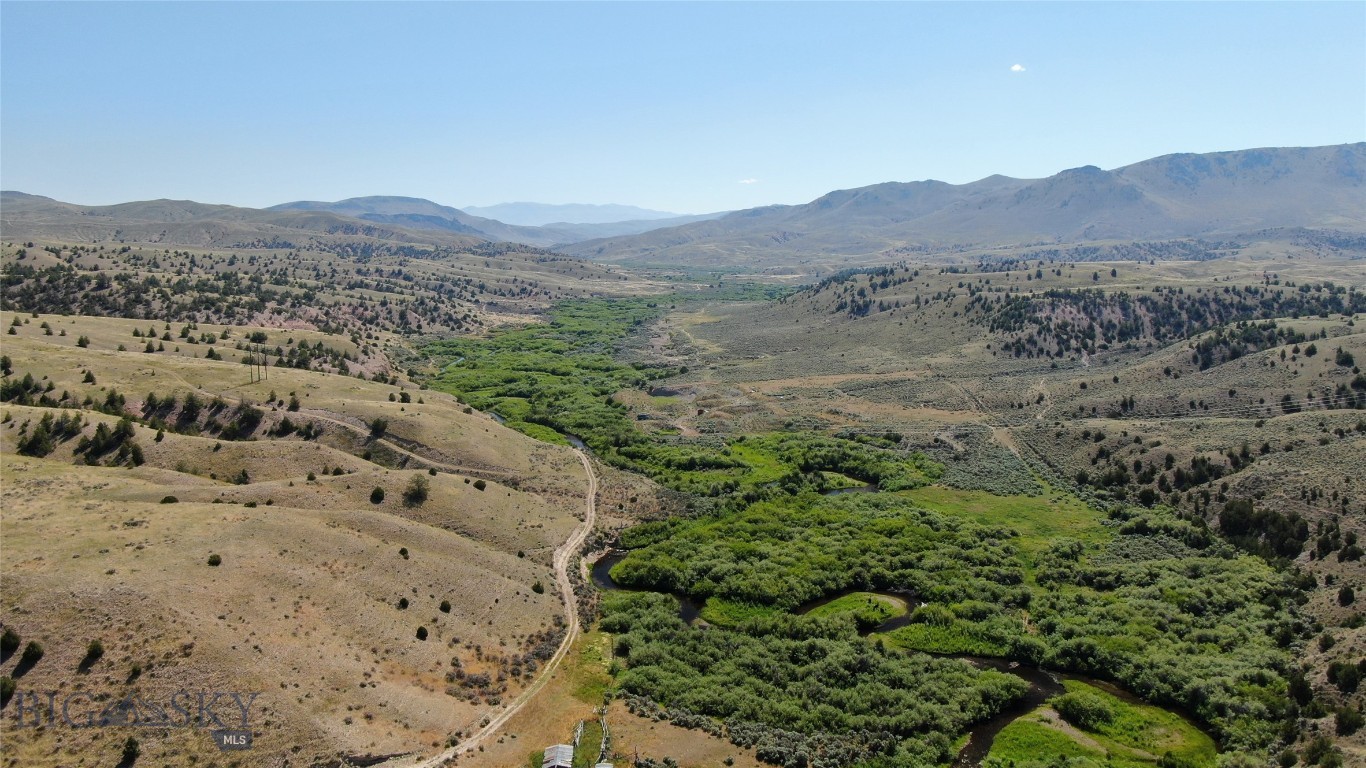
<point x="866" y="488"/>
<point x="688" y="609"/>
<point x="1043" y="684"/>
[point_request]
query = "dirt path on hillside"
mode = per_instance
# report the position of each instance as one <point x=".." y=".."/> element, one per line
<point x="390" y="442"/>
<point x="563" y="556"/>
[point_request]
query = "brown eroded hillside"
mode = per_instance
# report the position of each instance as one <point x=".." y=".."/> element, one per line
<point x="368" y="626"/>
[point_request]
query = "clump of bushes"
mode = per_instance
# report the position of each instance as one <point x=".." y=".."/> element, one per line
<point x="1083" y="709"/>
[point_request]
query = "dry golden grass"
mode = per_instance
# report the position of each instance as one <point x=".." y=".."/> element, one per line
<point x="305" y="604"/>
<point x="574" y="694"/>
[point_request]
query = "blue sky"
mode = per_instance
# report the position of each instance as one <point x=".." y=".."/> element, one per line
<point x="680" y="107"/>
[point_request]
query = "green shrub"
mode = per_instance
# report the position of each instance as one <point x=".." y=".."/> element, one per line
<point x="416" y="492"/>
<point x="215" y="560"/>
<point x="1347" y="677"/>
<point x="1348" y="721"/>
<point x="9" y="642"/>
<point x="1085" y="710"/>
<point x="377" y="495"/>
<point x="33" y="652"/>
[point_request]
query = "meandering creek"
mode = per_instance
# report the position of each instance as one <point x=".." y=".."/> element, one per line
<point x="865" y="488"/>
<point x="1043" y="684"/>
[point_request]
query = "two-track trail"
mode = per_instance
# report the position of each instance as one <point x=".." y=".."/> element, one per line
<point x="564" y="555"/>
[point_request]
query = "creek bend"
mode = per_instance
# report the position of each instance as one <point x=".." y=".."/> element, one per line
<point x="1043" y="684"/>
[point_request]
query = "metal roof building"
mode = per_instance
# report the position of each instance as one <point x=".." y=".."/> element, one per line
<point x="558" y="756"/>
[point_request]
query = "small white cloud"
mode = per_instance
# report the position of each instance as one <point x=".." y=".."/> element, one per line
<point x="749" y="181"/>
<point x="1017" y="68"/>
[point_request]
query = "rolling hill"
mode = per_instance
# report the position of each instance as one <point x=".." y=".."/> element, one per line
<point x="541" y="214"/>
<point x="1217" y="196"/>
<point x="419" y="214"/>
<point x="183" y="222"/>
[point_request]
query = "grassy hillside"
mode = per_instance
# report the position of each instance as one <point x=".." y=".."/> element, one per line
<point x="1140" y="470"/>
<point x="317" y="589"/>
<point x="356" y="290"/>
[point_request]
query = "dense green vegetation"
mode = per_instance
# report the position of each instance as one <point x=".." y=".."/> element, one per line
<point x="559" y="378"/>
<point x="801" y="690"/>
<point x="559" y="375"/>
<point x="785" y="553"/>
<point x="1020" y="570"/>
<point x="1139" y="727"/>
<point x="1116" y="733"/>
<point x="1028" y="743"/>
<point x="868" y="609"/>
<point x="1152" y="602"/>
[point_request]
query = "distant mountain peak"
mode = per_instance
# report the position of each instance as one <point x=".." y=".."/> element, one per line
<point x="540" y="214"/>
<point x="1214" y="195"/>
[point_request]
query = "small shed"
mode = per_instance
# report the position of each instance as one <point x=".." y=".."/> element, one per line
<point x="558" y="756"/>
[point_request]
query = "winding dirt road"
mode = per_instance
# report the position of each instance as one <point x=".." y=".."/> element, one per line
<point x="564" y="555"/>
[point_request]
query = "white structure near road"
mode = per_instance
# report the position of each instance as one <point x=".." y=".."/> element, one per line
<point x="558" y="756"/>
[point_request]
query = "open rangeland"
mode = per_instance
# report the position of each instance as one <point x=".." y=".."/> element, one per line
<point x="224" y="553"/>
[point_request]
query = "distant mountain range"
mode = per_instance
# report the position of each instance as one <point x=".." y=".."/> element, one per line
<point x="543" y="214"/>
<point x="183" y="222"/>
<point x="416" y="213"/>
<point x="1215" y="195"/>
<point x="187" y="223"/>
<point x="1219" y="196"/>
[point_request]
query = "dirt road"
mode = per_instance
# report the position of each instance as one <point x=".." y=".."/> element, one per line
<point x="564" y="555"/>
